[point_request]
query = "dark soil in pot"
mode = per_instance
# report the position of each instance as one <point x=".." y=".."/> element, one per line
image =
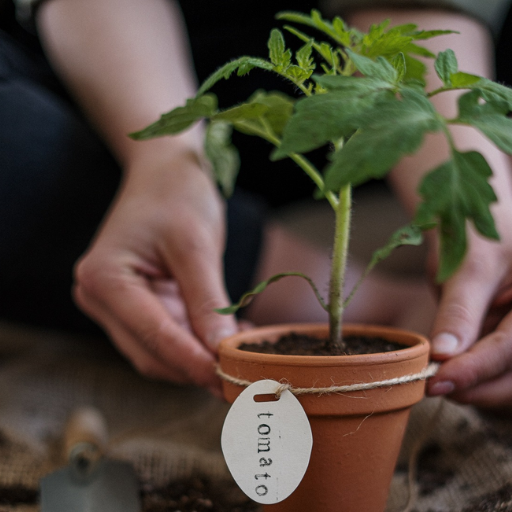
<point x="296" y="344"/>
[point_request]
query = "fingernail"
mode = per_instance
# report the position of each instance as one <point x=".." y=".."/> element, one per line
<point x="445" y="343"/>
<point x="444" y="387"/>
<point x="215" y="337"/>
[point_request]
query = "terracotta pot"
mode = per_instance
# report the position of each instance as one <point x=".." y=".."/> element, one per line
<point x="357" y="435"/>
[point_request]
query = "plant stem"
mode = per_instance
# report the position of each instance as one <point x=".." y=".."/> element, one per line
<point x="445" y="88"/>
<point x="339" y="264"/>
<point x="299" y="84"/>
<point x="315" y="176"/>
<point x="302" y="162"/>
<point x="448" y="135"/>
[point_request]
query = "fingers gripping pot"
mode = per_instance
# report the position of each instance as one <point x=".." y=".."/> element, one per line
<point x="356" y="435"/>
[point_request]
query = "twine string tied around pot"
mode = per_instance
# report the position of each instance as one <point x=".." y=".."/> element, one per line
<point x="427" y="372"/>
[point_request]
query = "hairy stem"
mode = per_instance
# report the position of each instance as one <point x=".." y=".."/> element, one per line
<point x="339" y="264"/>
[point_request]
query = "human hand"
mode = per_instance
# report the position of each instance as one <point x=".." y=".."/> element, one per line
<point x="472" y="333"/>
<point x="153" y="275"/>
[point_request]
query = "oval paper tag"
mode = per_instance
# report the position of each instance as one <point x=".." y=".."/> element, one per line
<point x="267" y="444"/>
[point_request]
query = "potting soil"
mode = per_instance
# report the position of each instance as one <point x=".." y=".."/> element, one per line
<point x="303" y="345"/>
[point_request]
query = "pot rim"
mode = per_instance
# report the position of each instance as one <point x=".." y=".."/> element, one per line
<point x="418" y="344"/>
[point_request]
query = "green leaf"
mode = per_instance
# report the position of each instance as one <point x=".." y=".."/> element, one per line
<point x="336" y="30"/>
<point x="389" y="132"/>
<point x="353" y="85"/>
<point x="250" y="126"/>
<point x="429" y="34"/>
<point x="407" y="235"/>
<point x="461" y="79"/>
<point x="419" y="50"/>
<point x="343" y="33"/>
<point x="222" y="155"/>
<point x="454" y="192"/>
<point x="415" y="70"/>
<point x="410" y="29"/>
<point x="388" y="45"/>
<point x="241" y="112"/>
<point x="278" y="54"/>
<point x="395" y="40"/>
<point x="489" y="118"/>
<point x="180" y="118"/>
<point x="406" y="28"/>
<point x="374" y="33"/>
<point x="304" y="58"/>
<point x="327" y="117"/>
<point x="297" y="74"/>
<point x="279" y="108"/>
<point x="323" y="49"/>
<point x="261" y="111"/>
<point x="243" y="65"/>
<point x="296" y="17"/>
<point x="497" y="128"/>
<point x="380" y="68"/>
<point x="399" y="64"/>
<point x="446" y="65"/>
<point x="493" y="92"/>
<point x="248" y="297"/>
<point x="471" y="107"/>
<point x="281" y="59"/>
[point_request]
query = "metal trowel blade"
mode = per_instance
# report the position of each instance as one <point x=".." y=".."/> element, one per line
<point x="112" y="487"/>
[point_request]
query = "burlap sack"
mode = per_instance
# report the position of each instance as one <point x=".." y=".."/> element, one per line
<point x="167" y="432"/>
<point x="464" y="460"/>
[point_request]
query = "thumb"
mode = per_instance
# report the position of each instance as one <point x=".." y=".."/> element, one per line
<point x="201" y="283"/>
<point x="463" y="304"/>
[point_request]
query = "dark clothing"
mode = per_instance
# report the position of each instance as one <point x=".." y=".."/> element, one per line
<point x="221" y="31"/>
<point x="56" y="181"/>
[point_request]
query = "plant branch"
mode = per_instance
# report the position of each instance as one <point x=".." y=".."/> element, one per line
<point x="312" y="172"/>
<point x="248" y="296"/>
<point x="446" y="89"/>
<point x="299" y="84"/>
<point x="359" y="282"/>
<point x="448" y="135"/>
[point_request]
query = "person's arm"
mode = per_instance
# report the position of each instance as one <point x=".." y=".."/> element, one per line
<point x="472" y="331"/>
<point x="125" y="61"/>
<point x="153" y="274"/>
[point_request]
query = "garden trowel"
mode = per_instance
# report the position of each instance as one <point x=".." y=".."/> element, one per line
<point x="90" y="482"/>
